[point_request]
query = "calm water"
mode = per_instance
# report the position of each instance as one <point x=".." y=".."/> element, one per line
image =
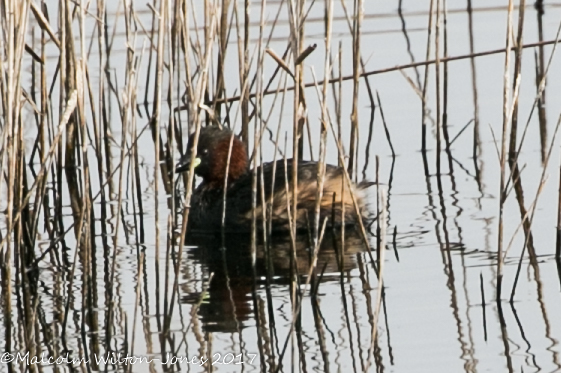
<point x="433" y="318"/>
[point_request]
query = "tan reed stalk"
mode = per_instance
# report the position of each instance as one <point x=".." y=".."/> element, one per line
<point x="295" y="45"/>
<point x="476" y="149"/>
<point x="257" y="133"/>
<point x="198" y="98"/>
<point x="506" y="105"/>
<point x="515" y="176"/>
<point x="15" y="28"/>
<point x="70" y="106"/>
<point x="348" y="184"/>
<point x="84" y="244"/>
<point x="44" y="23"/>
<point x="165" y="37"/>
<point x="339" y="102"/>
<point x="245" y="76"/>
<point x="529" y="215"/>
<point x="273" y="176"/>
<point x="381" y="260"/>
<point x="126" y="117"/>
<point x="228" y="158"/>
<point x="426" y="80"/>
<point x="357" y="29"/>
<point x="223" y="34"/>
<point x="536" y="101"/>
<point x="68" y="81"/>
<point x="156" y="119"/>
<point x="541" y="88"/>
<point x="324" y="119"/>
<point x="40" y="197"/>
<point x="297" y="305"/>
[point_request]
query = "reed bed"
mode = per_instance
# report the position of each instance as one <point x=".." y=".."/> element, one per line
<point x="97" y="102"/>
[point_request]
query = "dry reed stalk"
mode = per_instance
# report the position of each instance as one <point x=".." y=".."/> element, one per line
<point x="324" y="119"/>
<point x="198" y="98"/>
<point x="297" y="307"/>
<point x="357" y="28"/>
<point x="88" y="229"/>
<point x="14" y="24"/>
<point x="297" y="112"/>
<point x="257" y="133"/>
<point x="70" y="106"/>
<point x="541" y="88"/>
<point x="426" y="81"/>
<point x="273" y="176"/>
<point x="223" y="35"/>
<point x="503" y="155"/>
<point x="383" y="224"/>
<point x="338" y="101"/>
<point x="528" y="217"/>
<point x="244" y="82"/>
<point x="126" y="118"/>
<point x="348" y="184"/>
<point x="515" y="177"/>
<point x="156" y="116"/>
<point x="476" y="148"/>
<point x="445" y="85"/>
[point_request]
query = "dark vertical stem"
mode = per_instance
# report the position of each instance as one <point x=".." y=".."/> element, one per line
<point x="408" y="42"/>
<point x="539" y="76"/>
<point x="558" y="230"/>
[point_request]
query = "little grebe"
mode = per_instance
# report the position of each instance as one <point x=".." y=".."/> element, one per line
<point x="207" y="200"/>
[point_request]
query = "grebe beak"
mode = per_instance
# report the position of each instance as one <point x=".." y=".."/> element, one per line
<point x="185" y="163"/>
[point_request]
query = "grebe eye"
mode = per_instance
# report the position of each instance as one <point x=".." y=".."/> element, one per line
<point x="204" y="151"/>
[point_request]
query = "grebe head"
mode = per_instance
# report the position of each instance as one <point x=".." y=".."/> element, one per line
<point x="212" y="156"/>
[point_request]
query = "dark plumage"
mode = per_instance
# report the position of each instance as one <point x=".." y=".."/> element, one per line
<point x="207" y="199"/>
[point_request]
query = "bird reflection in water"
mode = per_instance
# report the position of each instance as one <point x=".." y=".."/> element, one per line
<point x="228" y="305"/>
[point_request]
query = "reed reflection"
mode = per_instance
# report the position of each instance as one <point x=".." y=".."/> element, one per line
<point x="228" y="304"/>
